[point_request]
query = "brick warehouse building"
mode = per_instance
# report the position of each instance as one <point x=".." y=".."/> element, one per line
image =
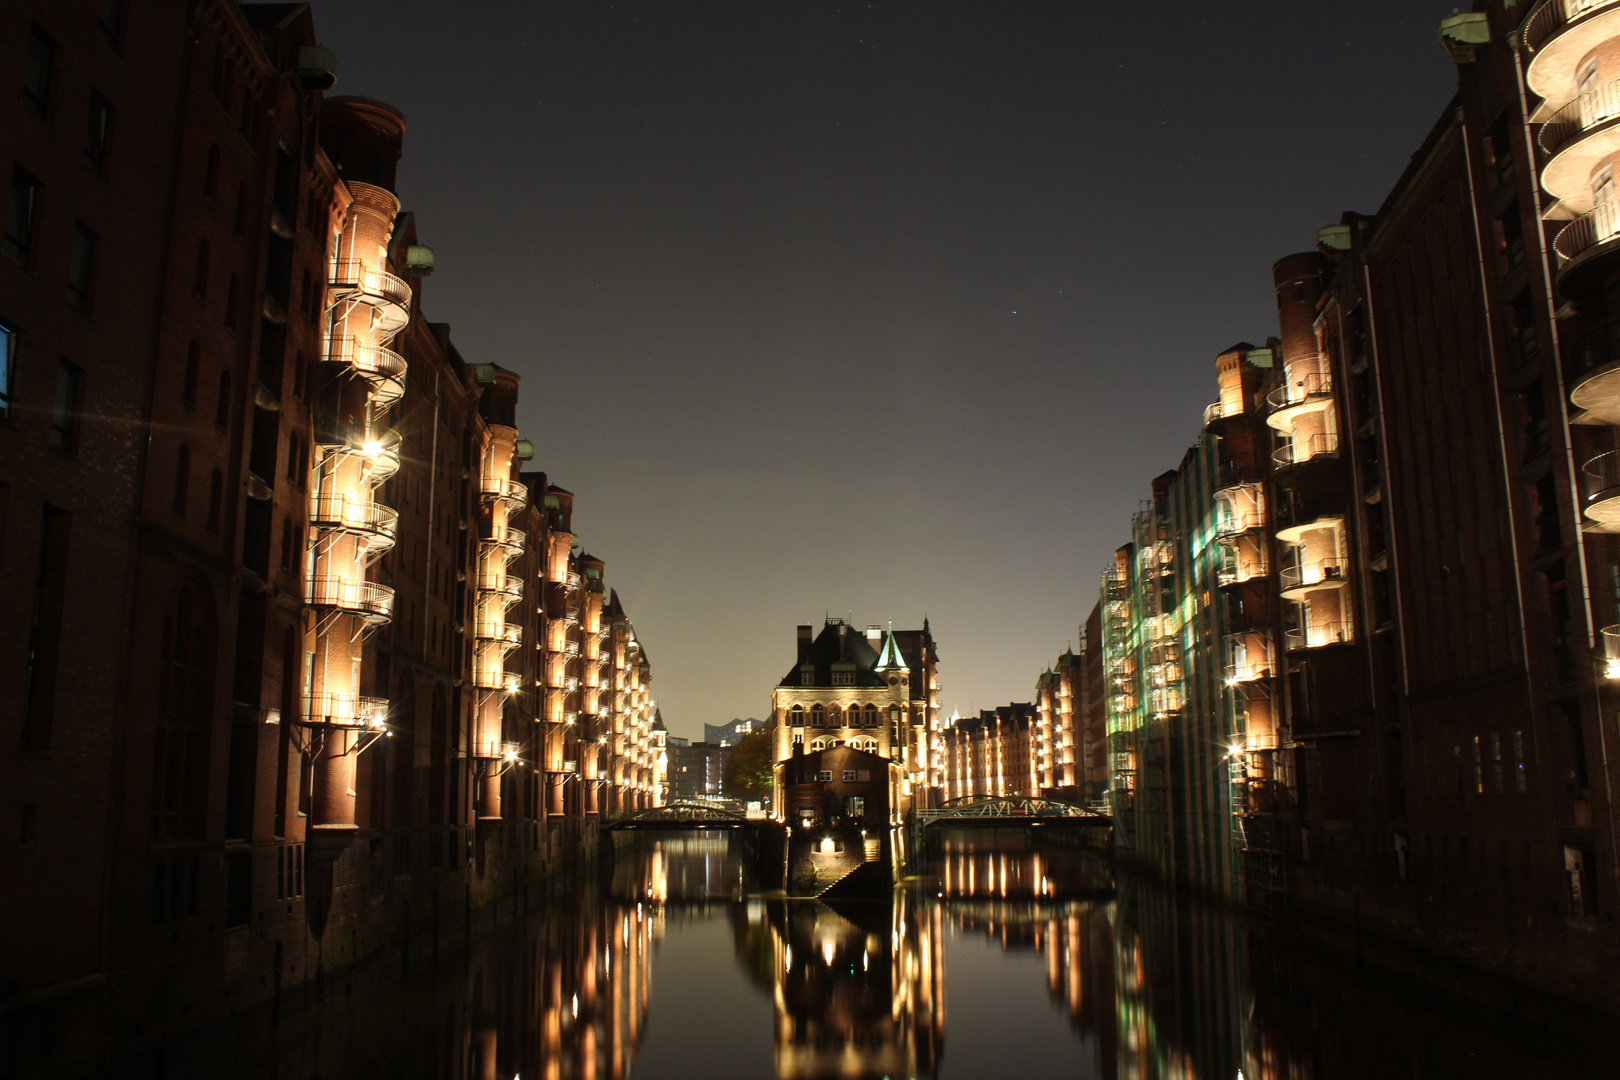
<point x="350" y="672"/>
<point x="1405" y="507"/>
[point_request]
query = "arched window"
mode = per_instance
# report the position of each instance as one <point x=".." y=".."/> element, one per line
<point x="871" y="716"/>
<point x="818" y="744"/>
<point x="818" y="716"/>
<point x="199" y="281"/>
<point x="182" y="479"/>
<point x="835" y="716"/>
<point x="216" y="492"/>
<point x="796" y="717"/>
<point x="188" y="390"/>
<point x="179" y="744"/>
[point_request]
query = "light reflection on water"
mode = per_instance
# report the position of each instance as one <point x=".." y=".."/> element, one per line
<point x="940" y="978"/>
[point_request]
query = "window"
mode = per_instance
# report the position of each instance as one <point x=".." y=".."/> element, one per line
<point x="182" y="479"/>
<point x="241" y="209"/>
<point x="65" y="408"/>
<point x="796" y="717"/>
<point x="818" y="716"/>
<point x="843" y="678"/>
<point x="222" y="411"/>
<point x="871" y="716"/>
<point x="1457" y="766"/>
<point x="855" y="806"/>
<point x="216" y="492"/>
<point x="849" y="776"/>
<point x="211" y="174"/>
<point x="98" y="132"/>
<point x="188" y="389"/>
<point x="825" y="776"/>
<point x="1520" y="781"/>
<point x="37" y="75"/>
<point x="1479" y="768"/>
<point x="286" y="543"/>
<point x="45" y="629"/>
<point x="199" y="276"/>
<point x="111" y="20"/>
<point x="835" y="716"/>
<point x="807" y="678"/>
<point x="1496" y="761"/>
<point x="20" y="211"/>
<point x="8" y="368"/>
<point x="232" y="291"/>
<point x="81" y="265"/>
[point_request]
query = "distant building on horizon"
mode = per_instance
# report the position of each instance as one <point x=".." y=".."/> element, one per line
<point x="694" y="769"/>
<point x="728" y="734"/>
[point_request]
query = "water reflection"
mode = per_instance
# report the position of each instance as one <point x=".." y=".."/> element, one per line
<point x="1141" y="984"/>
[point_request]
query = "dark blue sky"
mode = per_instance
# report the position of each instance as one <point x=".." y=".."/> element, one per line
<point x="874" y="309"/>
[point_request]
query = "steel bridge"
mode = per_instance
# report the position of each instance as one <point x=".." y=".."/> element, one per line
<point x="1011" y="810"/>
<point x="684" y="815"/>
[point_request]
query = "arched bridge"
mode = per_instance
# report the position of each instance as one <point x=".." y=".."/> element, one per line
<point x="683" y="815"/>
<point x="1005" y="810"/>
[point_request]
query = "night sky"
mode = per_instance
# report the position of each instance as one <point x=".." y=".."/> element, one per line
<point x="873" y="310"/>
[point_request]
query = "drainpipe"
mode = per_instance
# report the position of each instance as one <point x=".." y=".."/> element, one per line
<point x="1383" y="449"/>
<point x="433" y="487"/>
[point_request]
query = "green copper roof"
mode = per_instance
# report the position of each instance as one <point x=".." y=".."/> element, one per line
<point x="890" y="659"/>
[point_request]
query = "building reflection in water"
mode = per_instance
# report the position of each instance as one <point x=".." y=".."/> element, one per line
<point x="1151" y="985"/>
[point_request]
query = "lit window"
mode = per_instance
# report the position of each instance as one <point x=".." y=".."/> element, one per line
<point x="8" y="367"/>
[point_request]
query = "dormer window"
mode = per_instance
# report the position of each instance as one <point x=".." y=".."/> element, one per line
<point x="807" y="677"/>
<point x="843" y="678"/>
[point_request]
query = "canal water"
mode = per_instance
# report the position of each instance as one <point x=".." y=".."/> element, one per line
<point x="1009" y="956"/>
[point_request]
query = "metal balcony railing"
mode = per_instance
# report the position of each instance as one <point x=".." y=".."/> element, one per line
<point x="346" y="710"/>
<point x="1313" y="572"/>
<point x="570" y="648"/>
<point x="1554" y="15"/>
<point x="1213" y="413"/>
<point x="513" y="492"/>
<point x="1300" y="390"/>
<point x="383" y="368"/>
<point x="1591" y="109"/>
<point x="387" y="295"/>
<point x="1298" y="451"/>
<point x="1587" y="233"/>
<point x="1601" y="474"/>
<point x="506" y="586"/>
<point x="343" y="513"/>
<point x="379" y="451"/>
<point x="503" y="633"/>
<point x="367" y="599"/>
<point x="1316" y="635"/>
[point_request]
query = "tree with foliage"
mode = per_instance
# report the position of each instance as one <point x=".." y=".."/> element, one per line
<point x="749" y="768"/>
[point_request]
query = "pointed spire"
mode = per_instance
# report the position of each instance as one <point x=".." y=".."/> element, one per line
<point x="890" y="659"/>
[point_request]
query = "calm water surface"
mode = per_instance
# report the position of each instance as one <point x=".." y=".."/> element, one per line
<point x="1007" y="958"/>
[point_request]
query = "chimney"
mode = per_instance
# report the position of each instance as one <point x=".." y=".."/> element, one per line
<point x="804" y="642"/>
<point x="874" y="635"/>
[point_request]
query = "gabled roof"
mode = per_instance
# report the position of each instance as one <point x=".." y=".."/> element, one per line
<point x="840" y="644"/>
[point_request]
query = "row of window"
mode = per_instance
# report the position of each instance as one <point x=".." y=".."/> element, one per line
<point x="22" y="215"/>
<point x="66" y="403"/>
<point x="833" y="716"/>
<point x="38" y="76"/>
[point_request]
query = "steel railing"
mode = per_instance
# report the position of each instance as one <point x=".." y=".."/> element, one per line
<point x="346" y="710"/>
<point x="1551" y="17"/>
<point x="378" y="287"/>
<point x="382" y="367"/>
<point x="1601" y="474"/>
<point x="1295" y="391"/>
<point x="1316" y="635"/>
<point x="1592" y="108"/>
<point x="505" y="633"/>
<point x="499" y="487"/>
<point x="349" y="514"/>
<point x="1298" y="451"/>
<point x="366" y="598"/>
<point x="1313" y="572"/>
<point x="1587" y="233"/>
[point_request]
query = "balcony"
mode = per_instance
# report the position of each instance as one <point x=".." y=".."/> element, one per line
<point x="1311" y="574"/>
<point x="1242" y="508"/>
<point x="1324" y="444"/>
<point x="1311" y="392"/>
<point x="1600" y="478"/>
<point x="570" y="648"/>
<point x="379" y="454"/>
<point x="346" y="710"/>
<point x="514" y="493"/>
<point x="388" y="297"/>
<point x="1594" y="364"/>
<point x="508" y="588"/>
<point x="363" y="599"/>
<point x="376" y="523"/>
<point x="1316" y="636"/>
<point x="1583" y="247"/>
<point x="1558" y="35"/>
<point x="383" y="368"/>
<point x="500" y="633"/>
<point x="504" y="542"/>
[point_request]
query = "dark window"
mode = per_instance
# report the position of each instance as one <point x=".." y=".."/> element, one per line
<point x="20" y="211"/>
<point x="179" y="753"/>
<point x="232" y="291"/>
<point x="98" y="132"/>
<point x="111" y="20"/>
<point x="28" y="829"/>
<point x="37" y="76"/>
<point x="216" y="491"/>
<point x="45" y="630"/>
<point x="81" y="267"/>
<point x="182" y="479"/>
<point x="222" y="411"/>
<point x="188" y="389"/>
<point x="286" y="543"/>
<point x="65" y="407"/>
<point x="199" y="277"/>
<point x="8" y="368"/>
<point x="241" y="209"/>
<point x="211" y="174"/>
